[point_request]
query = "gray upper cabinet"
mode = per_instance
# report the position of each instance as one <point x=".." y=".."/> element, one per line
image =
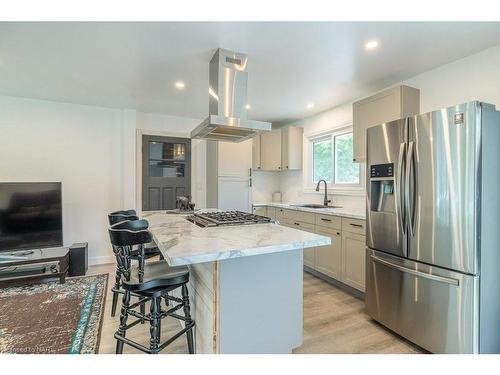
<point x="392" y="104"/>
<point x="270" y="150"/>
<point x="277" y="150"/>
<point x="291" y="148"/>
<point x="256" y="153"/>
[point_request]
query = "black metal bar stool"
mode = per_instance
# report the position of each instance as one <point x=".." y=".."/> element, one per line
<point x="153" y="283"/>
<point x="151" y="250"/>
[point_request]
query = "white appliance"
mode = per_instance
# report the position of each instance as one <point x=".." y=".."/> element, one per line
<point x="229" y="177"/>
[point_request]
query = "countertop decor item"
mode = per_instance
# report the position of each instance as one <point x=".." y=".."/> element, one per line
<point x="53" y="318"/>
<point x="277" y="196"/>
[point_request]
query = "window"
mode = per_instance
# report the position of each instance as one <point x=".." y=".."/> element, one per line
<point x="166" y="159"/>
<point x="346" y="171"/>
<point x="322" y="160"/>
<point x="331" y="160"/>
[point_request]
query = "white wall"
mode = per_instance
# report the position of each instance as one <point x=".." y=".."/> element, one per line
<point x="77" y="145"/>
<point x="476" y="77"/>
<point x="92" y="151"/>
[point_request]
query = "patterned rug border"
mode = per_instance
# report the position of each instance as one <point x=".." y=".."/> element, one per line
<point x="101" y="317"/>
<point x="94" y="348"/>
<point x="98" y="339"/>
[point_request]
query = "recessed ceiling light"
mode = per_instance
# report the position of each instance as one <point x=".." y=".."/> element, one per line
<point x="310" y="105"/>
<point x="248" y="106"/>
<point x="371" y="44"/>
<point x="180" y="85"/>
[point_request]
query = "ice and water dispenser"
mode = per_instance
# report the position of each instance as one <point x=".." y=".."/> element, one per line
<point x="382" y="188"/>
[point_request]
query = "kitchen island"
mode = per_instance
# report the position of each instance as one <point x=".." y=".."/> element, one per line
<point x="245" y="281"/>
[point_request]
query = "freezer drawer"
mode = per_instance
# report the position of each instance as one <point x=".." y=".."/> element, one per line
<point x="435" y="308"/>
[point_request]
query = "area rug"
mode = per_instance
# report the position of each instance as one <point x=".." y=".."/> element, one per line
<point x="53" y="318"/>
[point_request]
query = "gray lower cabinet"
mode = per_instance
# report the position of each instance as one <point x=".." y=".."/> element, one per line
<point x="260" y="210"/>
<point x="328" y="259"/>
<point x="309" y="257"/>
<point x="353" y="260"/>
<point x="271" y="212"/>
<point x="344" y="258"/>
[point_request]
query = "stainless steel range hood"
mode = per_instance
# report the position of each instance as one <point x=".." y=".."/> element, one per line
<point x="227" y="120"/>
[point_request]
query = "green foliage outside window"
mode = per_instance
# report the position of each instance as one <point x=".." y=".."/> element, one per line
<point x="346" y="171"/>
<point x="324" y="159"/>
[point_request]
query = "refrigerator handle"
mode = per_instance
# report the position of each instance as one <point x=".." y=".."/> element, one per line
<point x="410" y="201"/>
<point x="443" y="279"/>
<point x="400" y="204"/>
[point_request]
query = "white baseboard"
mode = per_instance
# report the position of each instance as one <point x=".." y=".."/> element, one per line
<point x="106" y="259"/>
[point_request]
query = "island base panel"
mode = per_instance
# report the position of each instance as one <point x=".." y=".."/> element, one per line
<point x="260" y="303"/>
<point x="248" y="304"/>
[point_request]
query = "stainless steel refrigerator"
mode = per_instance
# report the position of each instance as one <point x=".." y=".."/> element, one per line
<point x="433" y="228"/>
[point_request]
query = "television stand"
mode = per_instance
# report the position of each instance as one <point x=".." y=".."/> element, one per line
<point x="27" y="266"/>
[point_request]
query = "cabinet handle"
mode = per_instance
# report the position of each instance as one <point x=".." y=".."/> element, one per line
<point x="279" y="167"/>
<point x="326" y="219"/>
<point x="296" y="223"/>
<point x="338" y="233"/>
<point x="287" y="167"/>
<point x="356" y="225"/>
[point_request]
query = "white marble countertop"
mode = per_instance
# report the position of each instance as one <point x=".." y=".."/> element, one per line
<point x="350" y="212"/>
<point x="182" y="242"/>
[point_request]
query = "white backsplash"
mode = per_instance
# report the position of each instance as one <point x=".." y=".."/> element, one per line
<point x="264" y="184"/>
<point x="290" y="185"/>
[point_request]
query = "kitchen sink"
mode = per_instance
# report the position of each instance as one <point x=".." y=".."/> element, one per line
<point x="314" y="206"/>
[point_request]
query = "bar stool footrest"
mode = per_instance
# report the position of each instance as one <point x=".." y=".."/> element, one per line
<point x="161" y="346"/>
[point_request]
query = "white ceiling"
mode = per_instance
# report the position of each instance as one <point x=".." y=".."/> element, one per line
<point x="135" y="65"/>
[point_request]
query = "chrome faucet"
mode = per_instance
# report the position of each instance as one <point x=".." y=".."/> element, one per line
<point x="326" y="200"/>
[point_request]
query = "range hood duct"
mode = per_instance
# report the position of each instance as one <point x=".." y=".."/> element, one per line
<point x="227" y="93"/>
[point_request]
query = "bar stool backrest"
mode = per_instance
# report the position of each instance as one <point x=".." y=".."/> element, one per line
<point x="130" y="233"/>
<point x="132" y="224"/>
<point x="124" y="212"/>
<point x="118" y="218"/>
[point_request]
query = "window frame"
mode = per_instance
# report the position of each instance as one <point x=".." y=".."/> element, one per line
<point x="309" y="186"/>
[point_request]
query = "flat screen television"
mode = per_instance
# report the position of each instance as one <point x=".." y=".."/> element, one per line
<point x="30" y="215"/>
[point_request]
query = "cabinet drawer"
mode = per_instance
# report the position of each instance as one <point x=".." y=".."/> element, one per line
<point x="305" y="217"/>
<point x="328" y="221"/>
<point x="298" y="225"/>
<point x="260" y="210"/>
<point x="293" y="215"/>
<point x="353" y="225"/>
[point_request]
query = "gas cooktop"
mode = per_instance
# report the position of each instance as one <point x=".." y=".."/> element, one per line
<point x="218" y="218"/>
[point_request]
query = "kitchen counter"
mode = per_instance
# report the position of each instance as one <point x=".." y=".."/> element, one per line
<point x="231" y="270"/>
<point x="182" y="242"/>
<point x="350" y="212"/>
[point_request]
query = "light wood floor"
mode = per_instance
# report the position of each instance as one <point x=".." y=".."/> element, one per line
<point x="334" y="322"/>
